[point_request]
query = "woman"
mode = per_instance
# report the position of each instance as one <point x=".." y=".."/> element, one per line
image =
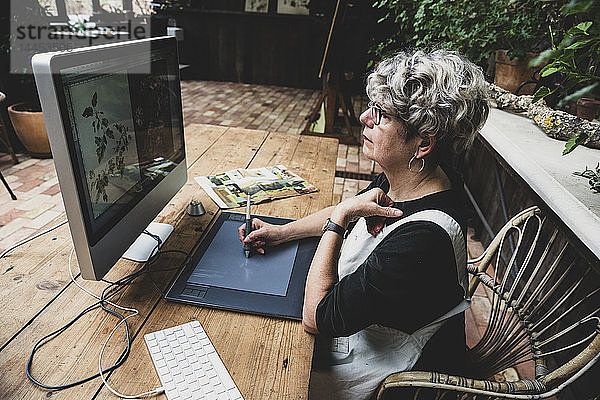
<point x="393" y="296"/>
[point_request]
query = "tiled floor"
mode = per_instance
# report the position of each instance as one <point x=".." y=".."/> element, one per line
<point x="39" y="203"/>
<point x="271" y="108"/>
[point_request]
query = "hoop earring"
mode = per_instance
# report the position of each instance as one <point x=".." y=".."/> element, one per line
<point x="420" y="169"/>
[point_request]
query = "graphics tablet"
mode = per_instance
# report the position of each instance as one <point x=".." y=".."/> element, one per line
<point x="219" y="275"/>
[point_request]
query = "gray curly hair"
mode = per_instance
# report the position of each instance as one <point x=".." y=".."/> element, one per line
<point x="439" y="93"/>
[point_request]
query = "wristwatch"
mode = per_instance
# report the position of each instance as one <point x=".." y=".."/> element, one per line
<point x="332" y="226"/>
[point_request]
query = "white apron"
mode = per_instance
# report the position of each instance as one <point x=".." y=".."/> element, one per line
<point x="362" y="360"/>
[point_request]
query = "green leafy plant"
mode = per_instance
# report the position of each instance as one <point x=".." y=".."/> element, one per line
<point x="593" y="176"/>
<point x="574" y="60"/>
<point x="105" y="135"/>
<point x="475" y="29"/>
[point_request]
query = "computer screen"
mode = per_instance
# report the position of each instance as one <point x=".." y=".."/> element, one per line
<point x="114" y="120"/>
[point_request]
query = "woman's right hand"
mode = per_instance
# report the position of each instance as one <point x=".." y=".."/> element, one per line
<point x="375" y="205"/>
<point x="263" y="234"/>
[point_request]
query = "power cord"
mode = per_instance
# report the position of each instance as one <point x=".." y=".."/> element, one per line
<point x="124" y="321"/>
<point x="54" y="334"/>
<point x="108" y="292"/>
<point x="5" y="252"/>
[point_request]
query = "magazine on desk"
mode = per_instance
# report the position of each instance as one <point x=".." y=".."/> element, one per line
<point x="230" y="189"/>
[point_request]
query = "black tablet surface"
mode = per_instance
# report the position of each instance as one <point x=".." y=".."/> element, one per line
<point x="219" y="275"/>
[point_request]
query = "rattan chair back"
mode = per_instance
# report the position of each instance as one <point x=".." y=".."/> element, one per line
<point x="545" y="311"/>
<point x="543" y="303"/>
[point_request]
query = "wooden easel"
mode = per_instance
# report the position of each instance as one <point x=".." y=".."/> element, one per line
<point x="333" y="92"/>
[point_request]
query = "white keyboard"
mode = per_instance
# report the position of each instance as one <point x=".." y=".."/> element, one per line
<point x="188" y="365"/>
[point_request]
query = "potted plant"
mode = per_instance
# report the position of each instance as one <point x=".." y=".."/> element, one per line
<point x="575" y="61"/>
<point x="520" y="29"/>
<point x="511" y="73"/>
<point x="26" y="114"/>
<point x="475" y="29"/>
<point x="587" y="108"/>
<point x="28" y="121"/>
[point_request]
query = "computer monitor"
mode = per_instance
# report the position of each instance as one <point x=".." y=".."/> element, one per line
<point x="114" y="119"/>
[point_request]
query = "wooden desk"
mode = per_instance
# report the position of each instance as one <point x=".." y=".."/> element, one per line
<point x="268" y="358"/>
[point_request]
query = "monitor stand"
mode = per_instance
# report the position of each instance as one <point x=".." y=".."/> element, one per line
<point x="145" y="246"/>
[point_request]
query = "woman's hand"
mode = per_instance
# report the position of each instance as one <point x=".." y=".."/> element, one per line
<point x="263" y="234"/>
<point x="374" y="205"/>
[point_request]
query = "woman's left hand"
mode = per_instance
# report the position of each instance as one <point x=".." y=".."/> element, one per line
<point x="374" y="205"/>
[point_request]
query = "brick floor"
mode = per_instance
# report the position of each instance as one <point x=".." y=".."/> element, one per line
<point x="37" y="207"/>
<point x="281" y="109"/>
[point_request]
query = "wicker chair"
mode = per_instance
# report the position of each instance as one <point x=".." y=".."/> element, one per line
<point x="545" y="307"/>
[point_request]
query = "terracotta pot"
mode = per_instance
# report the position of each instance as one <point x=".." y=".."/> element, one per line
<point x="587" y="108"/>
<point x="571" y="108"/>
<point x="511" y="73"/>
<point x="31" y="131"/>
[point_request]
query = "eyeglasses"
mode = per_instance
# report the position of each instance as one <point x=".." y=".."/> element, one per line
<point x="376" y="112"/>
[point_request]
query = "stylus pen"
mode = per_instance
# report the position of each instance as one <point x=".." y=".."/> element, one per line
<point x="248" y="226"/>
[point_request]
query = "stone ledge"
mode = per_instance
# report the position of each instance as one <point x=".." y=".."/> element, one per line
<point x="556" y="124"/>
<point x="538" y="159"/>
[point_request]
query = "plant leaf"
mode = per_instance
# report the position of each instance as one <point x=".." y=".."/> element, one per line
<point x="540" y="94"/>
<point x="548" y="71"/>
<point x="95" y="99"/>
<point x="578" y="45"/>
<point x="542" y="58"/>
<point x="575" y="7"/>
<point x="574" y="142"/>
<point x="584" y="26"/>
<point x="88" y="112"/>
<point x="577" y="95"/>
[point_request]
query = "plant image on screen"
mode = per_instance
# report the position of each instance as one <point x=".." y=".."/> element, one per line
<point x="115" y="135"/>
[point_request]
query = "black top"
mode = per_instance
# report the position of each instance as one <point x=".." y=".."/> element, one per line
<point x="407" y="281"/>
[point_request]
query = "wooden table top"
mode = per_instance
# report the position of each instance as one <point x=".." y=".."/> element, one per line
<point x="268" y="358"/>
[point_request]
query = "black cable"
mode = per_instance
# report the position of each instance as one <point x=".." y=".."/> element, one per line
<point x="5" y="252"/>
<point x="158" y="240"/>
<point x="54" y="334"/>
<point x="153" y="259"/>
<point x="108" y="292"/>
